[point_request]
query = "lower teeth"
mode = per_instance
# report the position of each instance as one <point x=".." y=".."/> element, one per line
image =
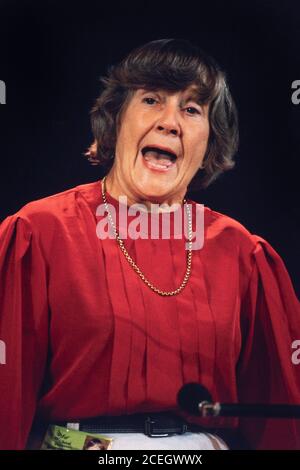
<point x="157" y="165"/>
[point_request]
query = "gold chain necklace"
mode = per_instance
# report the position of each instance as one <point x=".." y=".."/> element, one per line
<point x="133" y="264"/>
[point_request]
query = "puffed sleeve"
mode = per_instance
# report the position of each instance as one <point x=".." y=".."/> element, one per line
<point x="23" y="329"/>
<point x="266" y="372"/>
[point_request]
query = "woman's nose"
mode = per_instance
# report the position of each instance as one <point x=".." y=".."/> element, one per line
<point x="168" y="121"/>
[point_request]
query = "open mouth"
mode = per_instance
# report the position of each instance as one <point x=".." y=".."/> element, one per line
<point x="158" y="158"/>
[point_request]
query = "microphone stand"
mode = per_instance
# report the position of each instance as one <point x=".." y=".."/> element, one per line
<point x="207" y="408"/>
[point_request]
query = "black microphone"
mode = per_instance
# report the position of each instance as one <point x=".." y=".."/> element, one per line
<point x="196" y="400"/>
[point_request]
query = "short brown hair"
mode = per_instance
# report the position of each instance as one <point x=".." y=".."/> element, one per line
<point x="172" y="65"/>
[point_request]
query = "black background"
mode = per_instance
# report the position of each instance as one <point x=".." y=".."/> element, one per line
<point x="53" y="53"/>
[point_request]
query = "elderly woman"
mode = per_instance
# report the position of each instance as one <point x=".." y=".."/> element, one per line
<point x="113" y="326"/>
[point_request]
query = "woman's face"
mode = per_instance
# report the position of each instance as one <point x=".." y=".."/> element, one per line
<point x="96" y="447"/>
<point x="154" y="122"/>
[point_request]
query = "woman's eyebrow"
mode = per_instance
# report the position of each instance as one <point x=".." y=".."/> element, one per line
<point x="194" y="96"/>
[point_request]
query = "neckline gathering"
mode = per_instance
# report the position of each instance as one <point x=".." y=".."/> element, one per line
<point x="118" y="204"/>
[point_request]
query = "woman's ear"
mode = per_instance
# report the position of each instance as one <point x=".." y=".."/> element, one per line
<point x="92" y="149"/>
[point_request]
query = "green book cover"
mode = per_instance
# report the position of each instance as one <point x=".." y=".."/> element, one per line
<point x="58" y="437"/>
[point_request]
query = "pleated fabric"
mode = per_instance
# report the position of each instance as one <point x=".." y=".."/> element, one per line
<point x="85" y="336"/>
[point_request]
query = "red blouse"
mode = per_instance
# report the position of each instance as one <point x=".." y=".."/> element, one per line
<point x="85" y="336"/>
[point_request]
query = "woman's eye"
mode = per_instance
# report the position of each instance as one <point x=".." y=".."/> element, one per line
<point x="149" y="100"/>
<point x="192" y="110"/>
